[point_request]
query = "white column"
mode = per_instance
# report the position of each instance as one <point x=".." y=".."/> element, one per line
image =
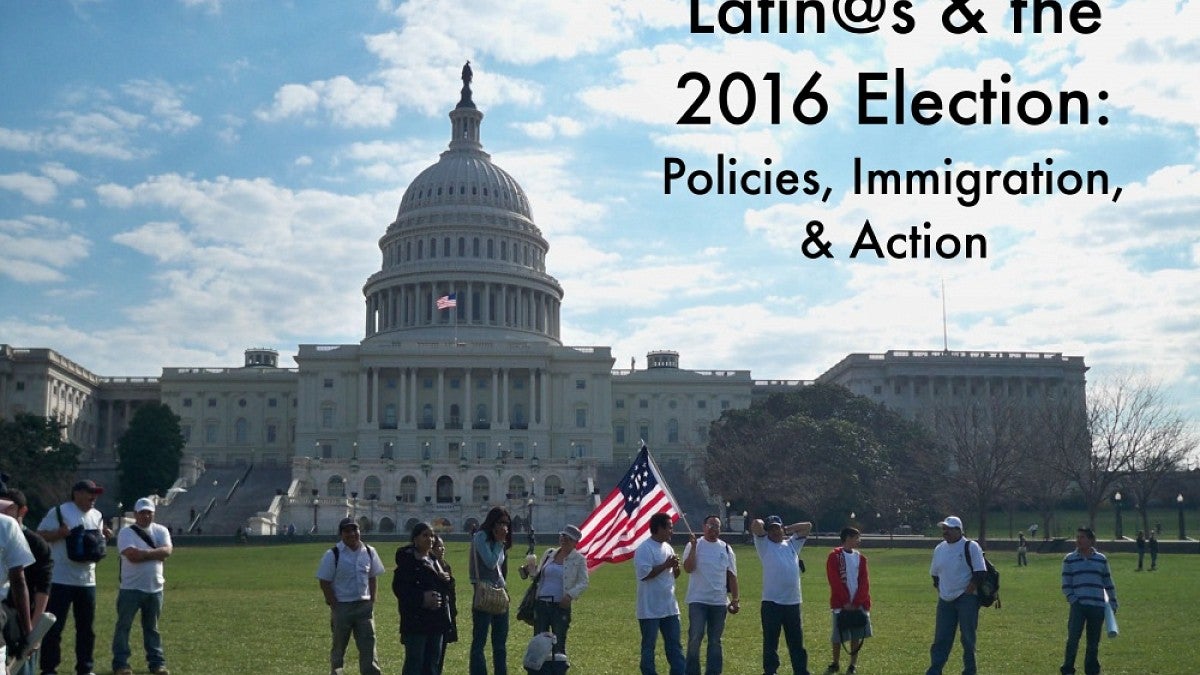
<point x="504" y="398"/>
<point x="373" y="414"/>
<point x="532" y="397"/>
<point x="401" y="397"/>
<point x="467" y="417"/>
<point x="438" y="419"/>
<point x="495" y="398"/>
<point x="362" y="396"/>
<point x="412" y="402"/>
<point x="546" y="384"/>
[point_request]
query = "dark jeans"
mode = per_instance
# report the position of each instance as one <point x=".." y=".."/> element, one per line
<point x="961" y="613"/>
<point x="669" y="627"/>
<point x="1141" y="557"/>
<point x="776" y="617"/>
<point x="421" y="653"/>
<point x="482" y="622"/>
<point x="1093" y="618"/>
<point x="705" y="621"/>
<point x="548" y="616"/>
<point x="129" y="603"/>
<point x="82" y="601"/>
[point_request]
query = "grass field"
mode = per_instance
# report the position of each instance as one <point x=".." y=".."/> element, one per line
<point x="257" y="609"/>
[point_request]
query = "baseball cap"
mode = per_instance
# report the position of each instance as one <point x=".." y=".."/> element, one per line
<point x="144" y="504"/>
<point x="347" y="523"/>
<point x="89" y="486"/>
<point x="572" y="532"/>
<point x="952" y="521"/>
<point x="773" y="521"/>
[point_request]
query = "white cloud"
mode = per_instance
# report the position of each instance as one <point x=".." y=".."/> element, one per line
<point x="37" y="189"/>
<point x="166" y="107"/>
<point x="551" y="126"/>
<point x="36" y="250"/>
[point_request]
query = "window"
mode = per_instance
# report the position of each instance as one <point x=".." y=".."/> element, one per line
<point x="372" y="487"/>
<point x="389" y="416"/>
<point x="241" y="430"/>
<point x="187" y="402"/>
<point x="518" y="383"/>
<point x="552" y="487"/>
<point x="272" y="403"/>
<point x="20" y="386"/>
<point x="326" y="451"/>
<point x="581" y="384"/>
<point x="620" y="404"/>
<point x="408" y="490"/>
<point x="518" y="450"/>
<point x="454" y="383"/>
<point x="516" y="487"/>
<point x="724" y="405"/>
<point x="336" y="487"/>
<point x="272" y="433"/>
<point x="581" y="418"/>
<point x="672" y="404"/>
<point x="427" y="383"/>
<point x="327" y="416"/>
<point x="212" y="402"/>
<point x="518" y="416"/>
<point x="619" y="434"/>
<point x="644" y="433"/>
<point x="186" y="431"/>
<point x="643" y="403"/>
<point x="445" y="490"/>
<point x="879" y="390"/>
<point x="241" y="403"/>
<point x="427" y="416"/>
<point x="480" y="449"/>
<point x="481" y="383"/>
<point x="672" y="431"/>
<point x="479" y="489"/>
<point x="210" y="432"/>
<point x="328" y="384"/>
<point x="433" y="248"/>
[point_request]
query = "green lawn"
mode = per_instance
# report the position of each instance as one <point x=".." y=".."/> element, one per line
<point x="254" y="609"/>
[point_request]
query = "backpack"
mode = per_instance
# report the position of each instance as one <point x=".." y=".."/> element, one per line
<point x="83" y="545"/>
<point x="989" y="590"/>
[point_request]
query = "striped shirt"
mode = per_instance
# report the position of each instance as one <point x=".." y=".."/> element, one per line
<point x="1085" y="580"/>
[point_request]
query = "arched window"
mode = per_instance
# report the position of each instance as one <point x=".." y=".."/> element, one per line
<point x="433" y="247"/>
<point x="462" y="247"/>
<point x="387" y="524"/>
<point x="336" y="487"/>
<point x="420" y="249"/>
<point x="672" y="431"/>
<point x="475" y="247"/>
<point x="241" y="430"/>
<point x="445" y="489"/>
<point x="479" y="490"/>
<point x="503" y="249"/>
<point x="372" y="487"/>
<point x="408" y="490"/>
<point x="491" y="249"/>
<point x="553" y="486"/>
<point x="516" y="487"/>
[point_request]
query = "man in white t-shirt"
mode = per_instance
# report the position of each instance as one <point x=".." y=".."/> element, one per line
<point x="778" y="547"/>
<point x="143" y="547"/>
<point x="347" y="576"/>
<point x="72" y="583"/>
<point x="656" y="567"/>
<point x="712" y="581"/>
<point x="958" y="606"/>
<point x="14" y="558"/>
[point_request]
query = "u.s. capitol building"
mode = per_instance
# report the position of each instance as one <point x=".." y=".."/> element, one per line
<point x="437" y="414"/>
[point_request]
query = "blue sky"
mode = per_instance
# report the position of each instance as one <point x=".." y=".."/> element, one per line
<point x="182" y="180"/>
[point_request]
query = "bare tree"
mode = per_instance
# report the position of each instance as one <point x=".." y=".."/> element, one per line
<point x="988" y="442"/>
<point x="1137" y="438"/>
<point x="1066" y="431"/>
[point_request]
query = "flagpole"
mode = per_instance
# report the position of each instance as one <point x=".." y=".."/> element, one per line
<point x="666" y="488"/>
<point x="454" y="316"/>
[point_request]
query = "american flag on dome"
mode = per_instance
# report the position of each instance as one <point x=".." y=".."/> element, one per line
<point x="447" y="301"/>
<point x="622" y="521"/>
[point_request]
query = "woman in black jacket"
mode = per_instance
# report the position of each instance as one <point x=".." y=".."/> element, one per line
<point x="423" y="590"/>
<point x="451" y="635"/>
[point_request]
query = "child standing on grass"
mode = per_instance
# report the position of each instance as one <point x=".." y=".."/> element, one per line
<point x="849" y="591"/>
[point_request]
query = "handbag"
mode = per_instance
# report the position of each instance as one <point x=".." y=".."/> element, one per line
<point x="851" y="619"/>
<point x="489" y="597"/>
<point x="525" y="609"/>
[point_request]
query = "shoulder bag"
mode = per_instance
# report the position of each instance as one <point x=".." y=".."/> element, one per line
<point x="489" y="597"/>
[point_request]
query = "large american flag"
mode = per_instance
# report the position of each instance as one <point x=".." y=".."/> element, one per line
<point x="447" y="301"/>
<point x="622" y="521"/>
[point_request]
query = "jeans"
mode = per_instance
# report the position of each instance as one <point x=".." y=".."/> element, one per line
<point x="1092" y="617"/>
<point x="669" y="627"/>
<point x="357" y="618"/>
<point x="786" y="617"/>
<point x="82" y="601"/>
<point x="961" y="613"/>
<point x="1141" y="557"/>
<point x="550" y="616"/>
<point x="130" y="602"/>
<point x="498" y="624"/>
<point x="422" y="652"/>
<point x="704" y="619"/>
<point x="1022" y="559"/>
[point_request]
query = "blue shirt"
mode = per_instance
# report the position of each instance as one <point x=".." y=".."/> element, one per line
<point x="1086" y="580"/>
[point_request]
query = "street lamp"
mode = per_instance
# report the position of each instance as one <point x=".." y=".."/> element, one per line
<point x="1117" y="506"/>
<point x="316" y="505"/>
<point x="354" y="505"/>
<point x="1182" y="531"/>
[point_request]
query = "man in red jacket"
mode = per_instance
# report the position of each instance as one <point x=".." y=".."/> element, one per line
<point x="849" y="593"/>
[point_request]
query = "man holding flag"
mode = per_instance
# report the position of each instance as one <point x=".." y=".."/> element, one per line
<point x="635" y="521"/>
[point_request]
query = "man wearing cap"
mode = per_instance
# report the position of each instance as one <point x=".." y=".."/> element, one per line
<point x="347" y="575"/>
<point x="143" y="546"/>
<point x="37" y="575"/>
<point x="14" y="558"/>
<point x="562" y="577"/>
<point x="778" y="547"/>
<point x="73" y="584"/>
<point x="958" y="606"/>
<point x="712" y="592"/>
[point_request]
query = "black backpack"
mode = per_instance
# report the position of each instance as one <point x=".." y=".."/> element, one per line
<point x="989" y="590"/>
<point x="83" y="545"/>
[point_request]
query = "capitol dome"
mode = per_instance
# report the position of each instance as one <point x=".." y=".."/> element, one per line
<point x="464" y="234"/>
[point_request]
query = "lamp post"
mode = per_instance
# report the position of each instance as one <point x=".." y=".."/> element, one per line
<point x="1117" y="507"/>
<point x="354" y="505"/>
<point x="316" y="505"/>
<point x="1182" y="531"/>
